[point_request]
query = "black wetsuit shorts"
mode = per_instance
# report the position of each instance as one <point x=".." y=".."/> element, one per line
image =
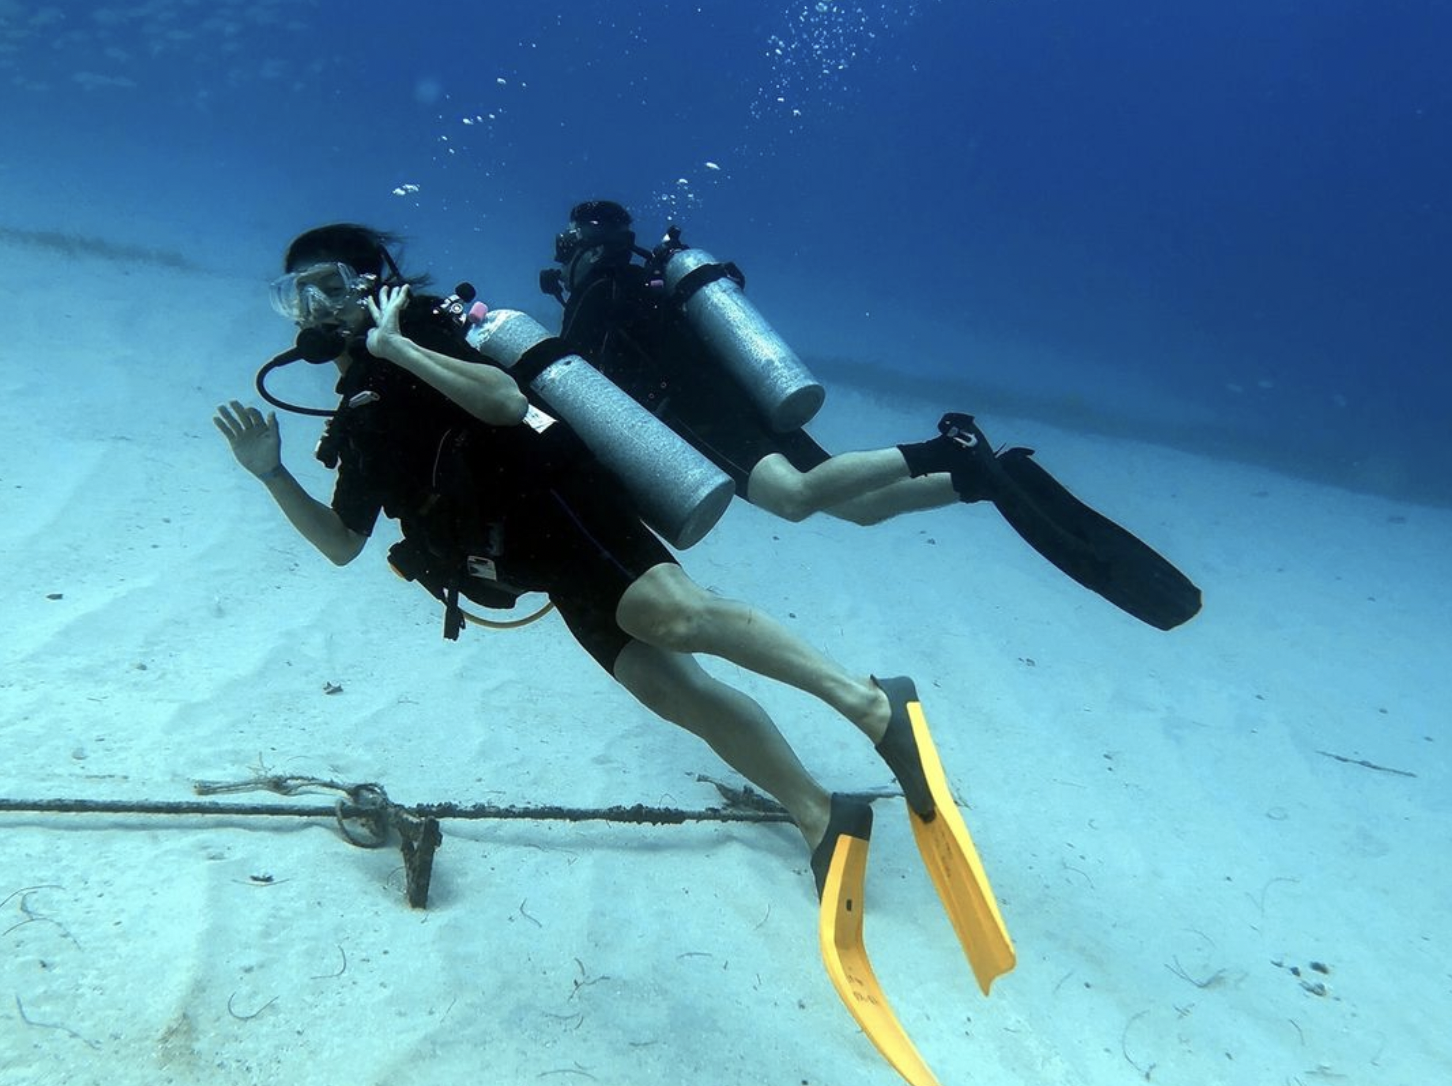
<point x="565" y="528"/>
<point x="575" y="542"/>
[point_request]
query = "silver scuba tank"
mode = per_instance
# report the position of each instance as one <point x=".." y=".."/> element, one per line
<point x="679" y="492"/>
<point x="739" y="337"/>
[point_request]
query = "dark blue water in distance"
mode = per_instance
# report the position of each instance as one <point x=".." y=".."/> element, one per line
<point x="1222" y="226"/>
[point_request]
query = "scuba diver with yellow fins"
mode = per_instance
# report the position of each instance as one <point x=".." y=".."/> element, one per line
<point x="489" y="465"/>
<point x="672" y="328"/>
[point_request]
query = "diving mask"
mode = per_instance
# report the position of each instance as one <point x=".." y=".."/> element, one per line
<point x="322" y="294"/>
<point x="566" y="242"/>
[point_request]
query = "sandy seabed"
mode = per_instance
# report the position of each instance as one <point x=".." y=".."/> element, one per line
<point x="1217" y="850"/>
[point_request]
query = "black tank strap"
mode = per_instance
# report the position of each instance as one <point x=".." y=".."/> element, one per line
<point x="703" y="276"/>
<point x="539" y="358"/>
<point x="453" y="614"/>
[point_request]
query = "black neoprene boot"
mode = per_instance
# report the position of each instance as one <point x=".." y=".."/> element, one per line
<point x="961" y="451"/>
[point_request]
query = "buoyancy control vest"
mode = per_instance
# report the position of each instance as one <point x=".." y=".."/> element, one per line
<point x="447" y="478"/>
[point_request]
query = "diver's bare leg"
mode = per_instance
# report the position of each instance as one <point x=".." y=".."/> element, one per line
<point x="675" y="687"/>
<point x="665" y="608"/>
<point x="862" y="487"/>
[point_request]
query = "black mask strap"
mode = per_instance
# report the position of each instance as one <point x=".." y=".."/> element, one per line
<point x="395" y="277"/>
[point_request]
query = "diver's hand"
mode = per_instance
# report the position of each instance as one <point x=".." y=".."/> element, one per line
<point x="386" y="310"/>
<point x="256" y="441"/>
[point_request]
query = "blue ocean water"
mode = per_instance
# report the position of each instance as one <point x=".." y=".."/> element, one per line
<point x="1221" y="226"/>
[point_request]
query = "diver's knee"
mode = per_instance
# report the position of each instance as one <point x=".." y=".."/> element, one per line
<point x="782" y="498"/>
<point x="663" y="608"/>
<point x="664" y="682"/>
<point x="780" y="489"/>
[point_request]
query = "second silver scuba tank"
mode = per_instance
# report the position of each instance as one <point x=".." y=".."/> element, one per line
<point x="680" y="493"/>
<point x="739" y="337"/>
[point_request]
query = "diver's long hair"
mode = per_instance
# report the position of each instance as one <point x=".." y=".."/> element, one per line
<point x="365" y="250"/>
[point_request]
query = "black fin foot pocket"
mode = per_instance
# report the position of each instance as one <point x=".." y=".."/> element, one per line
<point x="850" y="817"/>
<point x="899" y="747"/>
<point x="975" y="470"/>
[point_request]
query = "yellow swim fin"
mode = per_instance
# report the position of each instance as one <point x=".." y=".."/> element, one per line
<point x="957" y="871"/>
<point x="840" y="930"/>
<point x="946" y="846"/>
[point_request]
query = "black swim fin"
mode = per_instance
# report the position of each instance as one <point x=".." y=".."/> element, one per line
<point x="1088" y="546"/>
<point x="1091" y="548"/>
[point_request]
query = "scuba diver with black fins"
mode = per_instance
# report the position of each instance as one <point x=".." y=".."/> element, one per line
<point x="672" y="328"/>
<point x="496" y="496"/>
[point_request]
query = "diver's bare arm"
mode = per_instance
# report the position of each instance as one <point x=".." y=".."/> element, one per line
<point x="486" y="392"/>
<point x="319" y="524"/>
<point x="256" y="442"/>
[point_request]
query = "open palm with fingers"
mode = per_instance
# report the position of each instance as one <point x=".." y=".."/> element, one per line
<point x="256" y="440"/>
